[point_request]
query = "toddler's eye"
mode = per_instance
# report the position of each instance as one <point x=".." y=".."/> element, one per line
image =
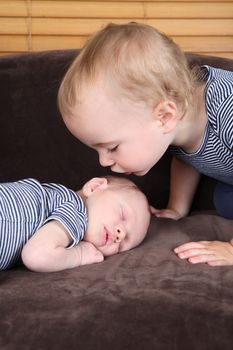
<point x="113" y="149"/>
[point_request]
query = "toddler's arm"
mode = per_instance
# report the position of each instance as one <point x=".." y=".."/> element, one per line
<point x="214" y="253"/>
<point x="184" y="181"/>
<point x="46" y="250"/>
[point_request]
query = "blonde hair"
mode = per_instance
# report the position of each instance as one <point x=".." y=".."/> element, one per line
<point x="142" y="63"/>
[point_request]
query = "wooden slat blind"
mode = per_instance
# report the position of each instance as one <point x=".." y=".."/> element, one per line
<point x="199" y="26"/>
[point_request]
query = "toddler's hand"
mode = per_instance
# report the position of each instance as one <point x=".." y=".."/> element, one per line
<point x="214" y="253"/>
<point x="165" y="213"/>
<point x="89" y="254"/>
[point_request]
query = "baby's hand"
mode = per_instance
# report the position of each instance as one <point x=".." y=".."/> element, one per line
<point x="214" y="253"/>
<point x="89" y="254"/>
<point x="165" y="213"/>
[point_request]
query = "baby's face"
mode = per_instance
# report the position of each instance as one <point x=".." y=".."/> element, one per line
<point x="118" y="220"/>
<point x="125" y="135"/>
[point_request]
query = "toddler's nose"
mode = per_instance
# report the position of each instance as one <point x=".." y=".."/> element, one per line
<point x="120" y="234"/>
<point x="105" y="160"/>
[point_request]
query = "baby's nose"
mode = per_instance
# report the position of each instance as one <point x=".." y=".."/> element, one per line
<point x="120" y="234"/>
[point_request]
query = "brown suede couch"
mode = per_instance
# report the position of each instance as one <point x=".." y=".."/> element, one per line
<point x="142" y="299"/>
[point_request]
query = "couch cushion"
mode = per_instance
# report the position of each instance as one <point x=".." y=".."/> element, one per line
<point x="142" y="299"/>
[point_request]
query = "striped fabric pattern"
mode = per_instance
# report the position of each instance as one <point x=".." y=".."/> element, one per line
<point x="26" y="205"/>
<point x="214" y="157"/>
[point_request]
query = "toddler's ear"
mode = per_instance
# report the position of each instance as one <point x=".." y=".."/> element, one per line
<point x="91" y="185"/>
<point x="166" y="114"/>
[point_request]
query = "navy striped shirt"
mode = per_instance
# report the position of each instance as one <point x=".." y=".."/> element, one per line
<point x="27" y="205"/>
<point x="214" y="157"/>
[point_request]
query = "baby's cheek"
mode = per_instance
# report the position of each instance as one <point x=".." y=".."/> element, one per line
<point x="124" y="247"/>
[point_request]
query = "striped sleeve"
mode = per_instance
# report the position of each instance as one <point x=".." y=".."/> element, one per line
<point x="226" y="115"/>
<point x="219" y="103"/>
<point x="214" y="156"/>
<point x="73" y="218"/>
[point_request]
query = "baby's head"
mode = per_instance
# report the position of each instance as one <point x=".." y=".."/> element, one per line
<point x="120" y="95"/>
<point x="118" y="214"/>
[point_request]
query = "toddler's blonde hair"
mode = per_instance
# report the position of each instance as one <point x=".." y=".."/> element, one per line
<point x="139" y="62"/>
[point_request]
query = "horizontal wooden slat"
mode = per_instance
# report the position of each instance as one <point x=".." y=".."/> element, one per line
<point x="58" y="42"/>
<point x="142" y="0"/>
<point x="36" y="43"/>
<point x="55" y="26"/>
<point x="189" y="10"/>
<point x="135" y="0"/>
<point x="219" y="54"/>
<point x="16" y="26"/>
<point x="193" y="26"/>
<point x="139" y="0"/>
<point x="13" y="8"/>
<point x="199" y="44"/>
<point x="116" y="9"/>
<point x="90" y="9"/>
<point x="13" y="43"/>
<point x="11" y="53"/>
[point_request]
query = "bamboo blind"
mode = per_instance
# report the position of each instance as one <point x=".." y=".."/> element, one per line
<point x="204" y="27"/>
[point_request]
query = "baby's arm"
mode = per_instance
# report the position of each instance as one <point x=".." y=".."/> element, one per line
<point x="184" y="181"/>
<point x="214" y="253"/>
<point x="46" y="250"/>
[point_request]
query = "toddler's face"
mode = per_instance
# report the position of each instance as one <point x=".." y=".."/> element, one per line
<point x="126" y="136"/>
<point x="117" y="219"/>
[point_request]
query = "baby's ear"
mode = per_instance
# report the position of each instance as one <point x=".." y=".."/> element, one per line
<point x="94" y="184"/>
<point x="166" y="115"/>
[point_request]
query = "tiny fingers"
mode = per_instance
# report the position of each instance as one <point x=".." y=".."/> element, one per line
<point x="195" y="255"/>
<point x="195" y="252"/>
<point x="201" y="258"/>
<point x="189" y="246"/>
<point x="214" y="253"/>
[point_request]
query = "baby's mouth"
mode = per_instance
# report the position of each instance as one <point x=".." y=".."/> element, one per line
<point x="105" y="237"/>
